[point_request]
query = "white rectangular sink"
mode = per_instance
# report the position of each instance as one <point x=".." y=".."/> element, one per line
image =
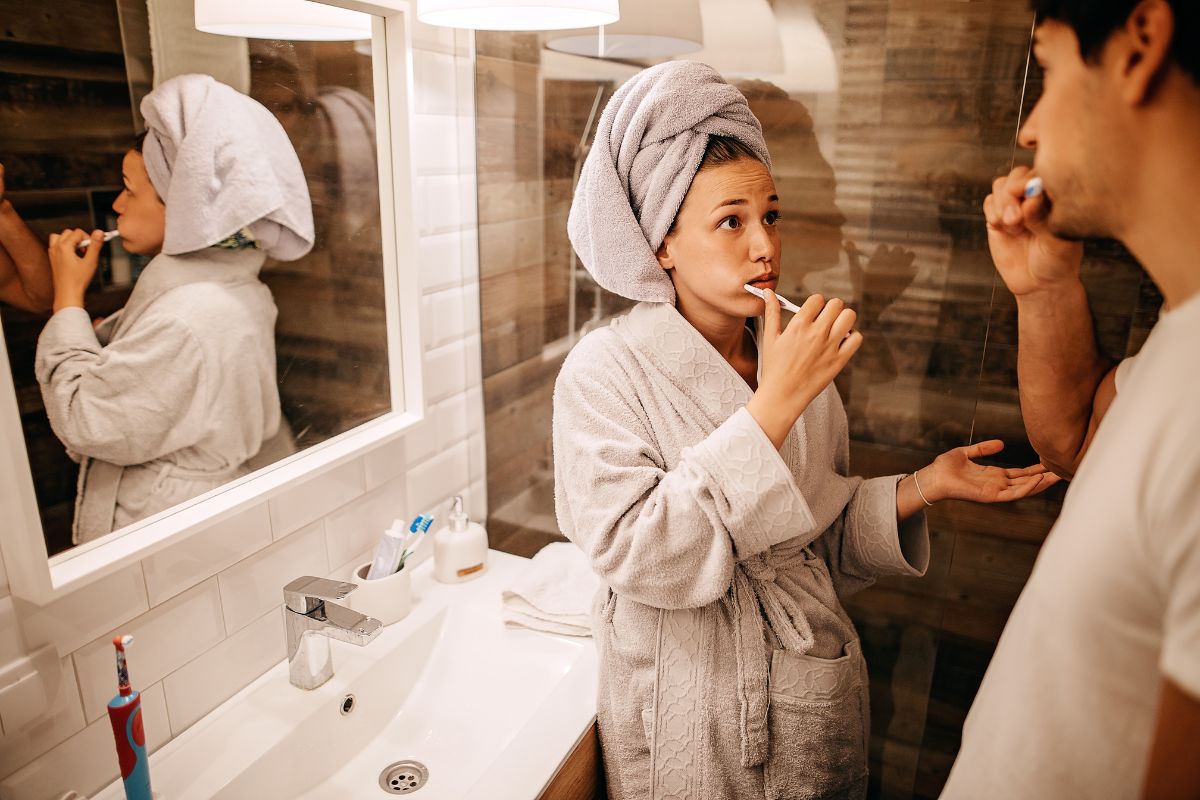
<point x="487" y="711"/>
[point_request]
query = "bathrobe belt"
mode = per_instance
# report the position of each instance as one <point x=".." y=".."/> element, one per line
<point x="681" y="645"/>
<point x="99" y="484"/>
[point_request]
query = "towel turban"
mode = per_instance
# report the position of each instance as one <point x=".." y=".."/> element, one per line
<point x="221" y="162"/>
<point x="648" y="147"/>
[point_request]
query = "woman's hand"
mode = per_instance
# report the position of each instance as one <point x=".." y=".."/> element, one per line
<point x="73" y="272"/>
<point x="799" y="361"/>
<point x="955" y="476"/>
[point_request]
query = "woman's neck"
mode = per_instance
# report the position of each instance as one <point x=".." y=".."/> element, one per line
<point x="727" y="335"/>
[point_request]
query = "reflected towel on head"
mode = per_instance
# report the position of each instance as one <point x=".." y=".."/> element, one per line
<point x="648" y="147"/>
<point x="221" y="162"/>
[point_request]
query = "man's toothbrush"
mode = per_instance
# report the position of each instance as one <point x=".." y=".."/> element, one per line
<point x="108" y="237"/>
<point x="788" y="305"/>
<point x="1033" y="187"/>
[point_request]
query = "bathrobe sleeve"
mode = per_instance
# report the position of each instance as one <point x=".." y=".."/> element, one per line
<point x="868" y="542"/>
<point x="131" y="402"/>
<point x="665" y="537"/>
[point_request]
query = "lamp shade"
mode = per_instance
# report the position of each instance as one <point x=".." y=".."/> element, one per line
<point x="659" y="29"/>
<point x="517" y="15"/>
<point x="281" y="19"/>
<point x="741" y="39"/>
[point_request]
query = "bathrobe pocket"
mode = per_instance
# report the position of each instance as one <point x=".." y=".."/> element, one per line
<point x="817" y="726"/>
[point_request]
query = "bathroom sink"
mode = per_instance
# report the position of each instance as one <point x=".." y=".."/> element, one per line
<point x="482" y="710"/>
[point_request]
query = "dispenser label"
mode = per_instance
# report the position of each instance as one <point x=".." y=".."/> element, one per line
<point x="465" y="571"/>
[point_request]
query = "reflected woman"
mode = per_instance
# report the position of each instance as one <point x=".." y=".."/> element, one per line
<point x="170" y="396"/>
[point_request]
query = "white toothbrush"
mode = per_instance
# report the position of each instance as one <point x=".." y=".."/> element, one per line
<point x="783" y="301"/>
<point x="108" y="237"/>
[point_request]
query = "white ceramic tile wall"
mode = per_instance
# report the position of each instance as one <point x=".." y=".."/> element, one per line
<point x="206" y="613"/>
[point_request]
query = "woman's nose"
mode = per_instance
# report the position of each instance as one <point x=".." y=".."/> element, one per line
<point x="762" y="244"/>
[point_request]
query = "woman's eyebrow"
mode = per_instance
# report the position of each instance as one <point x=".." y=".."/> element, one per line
<point x="741" y="202"/>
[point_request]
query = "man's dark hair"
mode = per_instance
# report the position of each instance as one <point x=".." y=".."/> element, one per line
<point x="1094" y="21"/>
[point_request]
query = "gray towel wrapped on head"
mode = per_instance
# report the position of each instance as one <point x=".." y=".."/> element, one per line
<point x="648" y="147"/>
<point x="221" y="162"/>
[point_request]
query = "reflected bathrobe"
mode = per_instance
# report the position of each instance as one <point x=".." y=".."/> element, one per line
<point x="729" y="668"/>
<point x="171" y="396"/>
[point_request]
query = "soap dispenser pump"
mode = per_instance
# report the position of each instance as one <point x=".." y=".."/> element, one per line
<point x="460" y="548"/>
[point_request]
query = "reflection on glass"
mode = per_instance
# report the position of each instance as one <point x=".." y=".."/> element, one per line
<point x="67" y="117"/>
<point x="882" y="171"/>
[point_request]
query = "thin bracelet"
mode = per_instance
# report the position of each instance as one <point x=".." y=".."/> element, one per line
<point x="918" y="485"/>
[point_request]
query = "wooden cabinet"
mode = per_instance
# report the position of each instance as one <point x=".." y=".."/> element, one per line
<point x="581" y="776"/>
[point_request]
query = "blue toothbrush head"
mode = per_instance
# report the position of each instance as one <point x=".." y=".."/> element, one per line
<point x="421" y="524"/>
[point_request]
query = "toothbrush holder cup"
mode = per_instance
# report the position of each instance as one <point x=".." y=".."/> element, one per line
<point x="386" y="599"/>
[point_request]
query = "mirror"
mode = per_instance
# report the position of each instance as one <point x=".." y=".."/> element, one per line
<point x="70" y="116"/>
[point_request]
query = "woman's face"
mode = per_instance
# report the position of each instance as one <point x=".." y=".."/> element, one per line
<point x="142" y="218"/>
<point x="725" y="236"/>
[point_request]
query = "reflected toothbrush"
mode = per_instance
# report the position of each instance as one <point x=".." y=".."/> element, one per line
<point x="783" y="301"/>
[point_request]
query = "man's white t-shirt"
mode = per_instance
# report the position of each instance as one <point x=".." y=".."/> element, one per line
<point x="1067" y="707"/>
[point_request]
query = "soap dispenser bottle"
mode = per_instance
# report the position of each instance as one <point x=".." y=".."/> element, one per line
<point x="460" y="548"/>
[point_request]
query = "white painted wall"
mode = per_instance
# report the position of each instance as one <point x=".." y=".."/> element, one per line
<point x="206" y="616"/>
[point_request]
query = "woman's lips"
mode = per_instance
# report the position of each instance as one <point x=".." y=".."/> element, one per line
<point x="767" y="283"/>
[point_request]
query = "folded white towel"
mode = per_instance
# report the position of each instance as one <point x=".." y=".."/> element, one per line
<point x="553" y="593"/>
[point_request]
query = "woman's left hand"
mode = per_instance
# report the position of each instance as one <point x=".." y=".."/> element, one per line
<point x="72" y="271"/>
<point x="955" y="476"/>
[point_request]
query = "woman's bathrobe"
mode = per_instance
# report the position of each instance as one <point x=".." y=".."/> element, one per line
<point x="728" y="667"/>
<point x="171" y="396"/>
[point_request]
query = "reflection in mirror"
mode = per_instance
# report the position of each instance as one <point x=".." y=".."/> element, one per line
<point x="180" y="355"/>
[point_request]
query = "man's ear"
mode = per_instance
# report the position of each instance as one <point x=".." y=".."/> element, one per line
<point x="1145" y="50"/>
<point x="664" y="257"/>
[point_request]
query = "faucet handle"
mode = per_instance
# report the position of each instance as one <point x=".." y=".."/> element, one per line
<point x="306" y="593"/>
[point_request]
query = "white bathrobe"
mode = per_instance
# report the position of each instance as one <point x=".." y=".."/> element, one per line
<point x="728" y="667"/>
<point x="172" y="395"/>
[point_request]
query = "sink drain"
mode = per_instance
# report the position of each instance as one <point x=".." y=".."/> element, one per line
<point x="403" y="777"/>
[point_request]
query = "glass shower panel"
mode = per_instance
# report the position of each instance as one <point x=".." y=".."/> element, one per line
<point x="887" y="121"/>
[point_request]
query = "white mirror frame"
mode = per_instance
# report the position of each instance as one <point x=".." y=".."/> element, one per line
<point x="36" y="577"/>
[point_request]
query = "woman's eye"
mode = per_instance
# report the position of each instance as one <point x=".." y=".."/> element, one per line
<point x="771" y="218"/>
<point x="730" y="223"/>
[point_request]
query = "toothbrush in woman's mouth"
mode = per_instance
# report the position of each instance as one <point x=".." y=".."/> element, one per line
<point x="108" y="237"/>
<point x="783" y="301"/>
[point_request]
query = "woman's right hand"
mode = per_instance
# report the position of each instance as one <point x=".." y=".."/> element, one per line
<point x="1028" y="256"/>
<point x="799" y="361"/>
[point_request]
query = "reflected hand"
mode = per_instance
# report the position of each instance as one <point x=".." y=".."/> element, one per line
<point x="888" y="272"/>
<point x="71" y="271"/>
<point x="1027" y="255"/>
<point x="955" y="476"/>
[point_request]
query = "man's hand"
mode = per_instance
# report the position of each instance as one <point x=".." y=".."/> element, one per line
<point x="73" y="272"/>
<point x="1028" y="256"/>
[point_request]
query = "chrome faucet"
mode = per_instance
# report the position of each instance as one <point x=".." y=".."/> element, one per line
<point x="311" y="621"/>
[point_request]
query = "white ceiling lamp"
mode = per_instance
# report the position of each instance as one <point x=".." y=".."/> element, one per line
<point x="658" y="29"/>
<point x="298" y="20"/>
<point x="518" y="15"/>
<point x="741" y="38"/>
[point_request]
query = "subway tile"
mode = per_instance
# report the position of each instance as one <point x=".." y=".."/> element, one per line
<point x="359" y="526"/>
<point x="475" y="409"/>
<point x="87" y="761"/>
<point x="12" y="646"/>
<point x="421" y="441"/>
<point x="441" y="257"/>
<point x="165" y="638"/>
<point x="314" y="498"/>
<point x="385" y="462"/>
<point x="474" y="357"/>
<point x="61" y="720"/>
<point x="469" y="254"/>
<point x="216" y="675"/>
<point x="435" y="144"/>
<point x="434" y="79"/>
<point x="450" y="420"/>
<point x="254" y="586"/>
<point x="445" y="371"/>
<point x="477" y="457"/>
<point x="431" y="37"/>
<point x="84" y="614"/>
<point x="442" y="209"/>
<point x="169" y="572"/>
<point x="446" y="317"/>
<point x="432" y="481"/>
<point x="477" y="505"/>
<point x="471" y="316"/>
